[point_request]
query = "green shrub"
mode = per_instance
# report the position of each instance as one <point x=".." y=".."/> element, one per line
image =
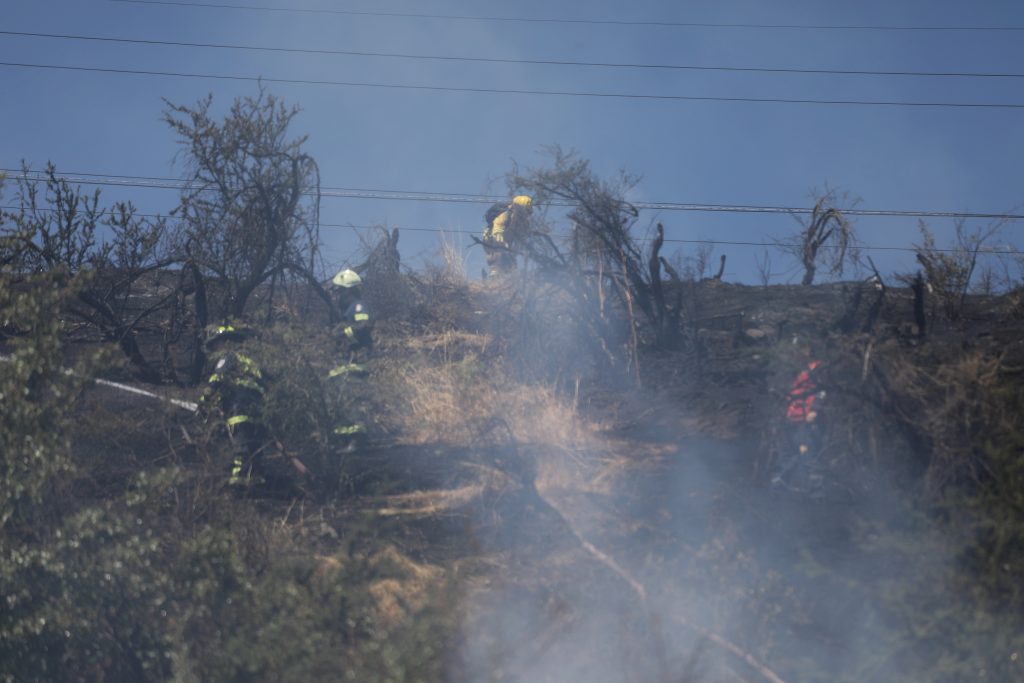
<point x="166" y="575"/>
<point x="35" y="393"/>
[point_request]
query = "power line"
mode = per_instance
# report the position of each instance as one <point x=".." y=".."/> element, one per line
<point x="598" y="22"/>
<point x="740" y="243"/>
<point x="495" y="60"/>
<point x="155" y="182"/>
<point x="560" y="93"/>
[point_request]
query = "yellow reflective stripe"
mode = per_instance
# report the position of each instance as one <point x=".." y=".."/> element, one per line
<point x="345" y="369"/>
<point x="350" y="429"/>
<point x="249" y="366"/>
<point x="349" y="332"/>
<point x="361" y="317"/>
<point x="236" y="471"/>
<point x="247" y="383"/>
<point x="237" y="419"/>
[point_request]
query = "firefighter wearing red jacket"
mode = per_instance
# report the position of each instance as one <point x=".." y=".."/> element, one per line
<point x="803" y="424"/>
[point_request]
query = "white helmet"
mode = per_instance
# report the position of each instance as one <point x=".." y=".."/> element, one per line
<point x="347" y="278"/>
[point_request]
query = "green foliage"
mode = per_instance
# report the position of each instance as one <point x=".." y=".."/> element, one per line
<point x="34" y="393"/>
<point x="294" y="621"/>
<point x="938" y="615"/>
<point x="946" y="587"/>
<point x="303" y="404"/>
<point x="93" y="595"/>
<point x="166" y="576"/>
<point x="128" y="590"/>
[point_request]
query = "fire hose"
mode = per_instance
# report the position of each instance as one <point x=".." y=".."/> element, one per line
<point x="186" y="405"/>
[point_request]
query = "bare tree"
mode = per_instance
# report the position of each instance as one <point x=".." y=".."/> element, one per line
<point x="386" y="291"/>
<point x="250" y="212"/>
<point x="826" y="239"/>
<point x="110" y="253"/>
<point x="602" y="220"/>
<point x="601" y="264"/>
<point x="702" y="260"/>
<point x="951" y="272"/>
<point x="764" y="268"/>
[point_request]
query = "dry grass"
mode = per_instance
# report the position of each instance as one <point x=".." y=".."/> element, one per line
<point x="403" y="592"/>
<point x="430" y="503"/>
<point x="450" y="395"/>
<point x="453" y="261"/>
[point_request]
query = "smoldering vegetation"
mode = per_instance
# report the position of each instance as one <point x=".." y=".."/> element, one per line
<point x="567" y="474"/>
<point x="680" y="562"/>
<point x="606" y="524"/>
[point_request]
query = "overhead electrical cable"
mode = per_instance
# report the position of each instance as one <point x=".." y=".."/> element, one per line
<point x="740" y="243"/>
<point x="510" y="91"/>
<point x="154" y="182"/>
<point x="598" y="22"/>
<point x="497" y="60"/>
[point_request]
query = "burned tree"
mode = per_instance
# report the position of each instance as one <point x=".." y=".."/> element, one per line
<point x="950" y="273"/>
<point x="614" y="282"/>
<point x="250" y="210"/>
<point x="113" y="256"/>
<point x="827" y="239"/>
<point x="385" y="290"/>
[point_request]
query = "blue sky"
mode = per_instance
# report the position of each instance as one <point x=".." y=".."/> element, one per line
<point x="940" y="159"/>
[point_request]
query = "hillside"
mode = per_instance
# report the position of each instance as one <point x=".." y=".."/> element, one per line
<point x="524" y="512"/>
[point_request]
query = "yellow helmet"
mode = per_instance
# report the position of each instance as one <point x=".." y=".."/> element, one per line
<point x="523" y="200"/>
<point x="347" y="278"/>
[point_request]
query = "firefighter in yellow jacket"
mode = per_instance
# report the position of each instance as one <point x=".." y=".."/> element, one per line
<point x="505" y="224"/>
<point x="235" y="390"/>
<point x="356" y="329"/>
<point x="355" y="338"/>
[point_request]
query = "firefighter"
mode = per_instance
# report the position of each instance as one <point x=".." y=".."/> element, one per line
<point x="803" y="424"/>
<point x="235" y="390"/>
<point x="356" y="330"/>
<point x="505" y="223"/>
<point x="356" y="340"/>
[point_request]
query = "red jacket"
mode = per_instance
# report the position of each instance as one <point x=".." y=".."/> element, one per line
<point x="803" y="394"/>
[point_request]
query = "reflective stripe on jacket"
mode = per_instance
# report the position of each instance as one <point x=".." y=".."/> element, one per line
<point x="348" y="430"/>
<point x="359" y="325"/>
<point x="235" y="389"/>
<point x="347" y="369"/>
<point x="238" y="369"/>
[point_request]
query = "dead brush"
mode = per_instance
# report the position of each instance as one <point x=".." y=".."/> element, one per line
<point x="386" y="291"/>
<point x="954" y="406"/>
<point x="452" y="262"/>
<point x="455" y="400"/>
<point x="950" y="273"/>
